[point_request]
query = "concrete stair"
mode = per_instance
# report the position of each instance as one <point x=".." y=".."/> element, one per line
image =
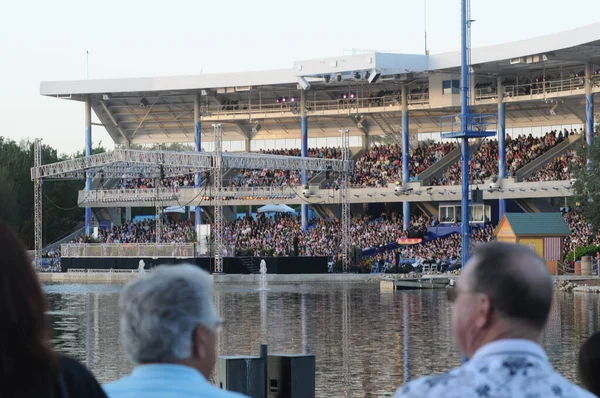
<point x="541" y="161"/>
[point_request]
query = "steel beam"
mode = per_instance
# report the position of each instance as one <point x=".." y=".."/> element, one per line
<point x="501" y="129"/>
<point x="405" y="156"/>
<point x="304" y="148"/>
<point x="88" y="153"/>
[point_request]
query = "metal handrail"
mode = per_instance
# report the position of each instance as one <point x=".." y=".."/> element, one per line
<point x="315" y="107"/>
<point x="571" y="85"/>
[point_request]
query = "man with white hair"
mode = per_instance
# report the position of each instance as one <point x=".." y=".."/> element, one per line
<point x="169" y="328"/>
<point x="499" y="309"/>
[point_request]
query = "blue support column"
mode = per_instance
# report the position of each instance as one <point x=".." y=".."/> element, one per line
<point x="589" y="105"/>
<point x="88" y="152"/>
<point x="464" y="110"/>
<point x="501" y="144"/>
<point x="304" y="148"/>
<point x="405" y="147"/>
<point x="197" y="143"/>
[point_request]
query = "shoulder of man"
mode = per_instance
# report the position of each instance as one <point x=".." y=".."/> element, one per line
<point x="430" y="386"/>
<point x="482" y="379"/>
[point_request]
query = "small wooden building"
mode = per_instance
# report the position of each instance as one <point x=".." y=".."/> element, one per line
<point x="542" y="232"/>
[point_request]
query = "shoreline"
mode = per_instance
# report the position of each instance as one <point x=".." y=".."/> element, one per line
<point x="561" y="282"/>
<point x="124" y="277"/>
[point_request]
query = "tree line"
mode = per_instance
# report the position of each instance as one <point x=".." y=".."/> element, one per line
<point x="61" y="213"/>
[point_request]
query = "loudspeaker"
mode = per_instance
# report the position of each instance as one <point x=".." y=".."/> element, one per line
<point x="291" y="376"/>
<point x="477" y="196"/>
<point x="245" y="375"/>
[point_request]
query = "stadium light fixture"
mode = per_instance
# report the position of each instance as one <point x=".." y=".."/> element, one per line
<point x="374" y="75"/>
<point x="303" y="83"/>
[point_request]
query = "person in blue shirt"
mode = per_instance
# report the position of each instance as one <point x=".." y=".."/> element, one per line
<point x="169" y="326"/>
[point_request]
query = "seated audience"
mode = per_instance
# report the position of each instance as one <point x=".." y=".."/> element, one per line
<point x="559" y="169"/>
<point x="382" y="164"/>
<point x="484" y="162"/>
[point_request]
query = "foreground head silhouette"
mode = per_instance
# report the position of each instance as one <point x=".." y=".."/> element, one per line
<point x="29" y="367"/>
<point x="169" y="329"/>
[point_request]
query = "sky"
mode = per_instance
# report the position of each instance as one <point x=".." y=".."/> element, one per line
<point x="47" y="40"/>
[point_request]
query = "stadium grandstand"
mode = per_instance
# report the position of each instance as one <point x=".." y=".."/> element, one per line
<point x="389" y="108"/>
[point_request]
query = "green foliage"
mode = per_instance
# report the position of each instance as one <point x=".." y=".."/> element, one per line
<point x="587" y="181"/>
<point x="583" y="251"/>
<point x="60" y="207"/>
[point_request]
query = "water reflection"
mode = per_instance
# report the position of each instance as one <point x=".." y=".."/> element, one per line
<point x="366" y="342"/>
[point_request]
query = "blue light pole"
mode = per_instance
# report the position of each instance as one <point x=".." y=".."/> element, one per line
<point x="464" y="113"/>
<point x="88" y="152"/>
<point x="197" y="148"/>
<point x="304" y="149"/>
<point x="501" y="143"/>
<point x="405" y="145"/>
<point x="589" y="105"/>
<point x="471" y="126"/>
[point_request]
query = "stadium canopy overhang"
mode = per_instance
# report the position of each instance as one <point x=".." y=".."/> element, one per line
<point x="249" y="104"/>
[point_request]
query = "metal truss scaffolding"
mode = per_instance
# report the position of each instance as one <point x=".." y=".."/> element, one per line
<point x="218" y="197"/>
<point x="125" y="163"/>
<point x="37" y="205"/>
<point x="346" y="243"/>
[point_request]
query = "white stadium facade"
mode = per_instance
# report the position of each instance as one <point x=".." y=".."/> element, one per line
<point x="535" y="85"/>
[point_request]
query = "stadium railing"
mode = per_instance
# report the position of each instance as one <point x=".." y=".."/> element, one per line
<point x="130" y="250"/>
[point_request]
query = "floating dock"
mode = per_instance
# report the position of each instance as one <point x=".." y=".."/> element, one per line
<point x="425" y="282"/>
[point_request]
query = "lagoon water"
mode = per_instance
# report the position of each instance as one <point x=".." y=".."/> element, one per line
<point x="367" y="342"/>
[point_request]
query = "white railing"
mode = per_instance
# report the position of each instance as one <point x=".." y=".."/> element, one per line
<point x="141" y="195"/>
<point x="258" y="192"/>
<point x="131" y="250"/>
<point x="315" y="106"/>
<point x="574" y="85"/>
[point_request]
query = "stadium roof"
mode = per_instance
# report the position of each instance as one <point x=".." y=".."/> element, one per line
<point x="168" y="115"/>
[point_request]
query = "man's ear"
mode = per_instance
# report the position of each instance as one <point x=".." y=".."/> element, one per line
<point x="484" y="308"/>
<point x="199" y="342"/>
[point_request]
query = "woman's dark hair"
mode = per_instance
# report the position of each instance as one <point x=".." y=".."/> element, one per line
<point x="589" y="364"/>
<point x="28" y="364"/>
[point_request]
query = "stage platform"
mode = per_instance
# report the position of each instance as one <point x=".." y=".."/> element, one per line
<point x="231" y="265"/>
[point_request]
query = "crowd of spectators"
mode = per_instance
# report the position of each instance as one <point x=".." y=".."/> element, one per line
<point x="484" y="162"/>
<point x="382" y="164"/>
<point x="173" y="231"/>
<point x="177" y="182"/>
<point x="560" y="169"/>
<point x="276" y="178"/>
<point x="581" y="231"/>
<point x="322" y="238"/>
<point x="282" y="235"/>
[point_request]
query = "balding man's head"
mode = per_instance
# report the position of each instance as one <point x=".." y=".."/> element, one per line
<point x="515" y="279"/>
<point x="504" y="292"/>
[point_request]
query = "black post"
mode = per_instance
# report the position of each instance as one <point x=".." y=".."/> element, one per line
<point x="264" y="356"/>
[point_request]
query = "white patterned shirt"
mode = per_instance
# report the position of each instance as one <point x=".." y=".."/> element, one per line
<point x="501" y="369"/>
